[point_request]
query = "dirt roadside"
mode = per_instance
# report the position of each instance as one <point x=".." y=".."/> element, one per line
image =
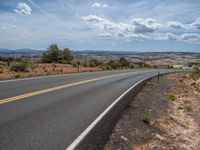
<point x="165" y="115"/>
<point x="45" y="69"/>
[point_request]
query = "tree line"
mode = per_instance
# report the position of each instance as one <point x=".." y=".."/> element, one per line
<point x="55" y="55"/>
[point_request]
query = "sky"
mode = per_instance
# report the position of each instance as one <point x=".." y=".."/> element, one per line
<point x="114" y="25"/>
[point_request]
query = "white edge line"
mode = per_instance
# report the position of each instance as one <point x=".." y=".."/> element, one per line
<point x="75" y="143"/>
<point x="45" y="76"/>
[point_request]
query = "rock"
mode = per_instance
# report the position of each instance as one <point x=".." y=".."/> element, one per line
<point x="184" y="147"/>
<point x="176" y="131"/>
<point x="159" y="137"/>
<point x="198" y="84"/>
<point x="124" y="138"/>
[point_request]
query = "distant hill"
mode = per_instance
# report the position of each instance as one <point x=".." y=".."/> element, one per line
<point x="28" y="52"/>
<point x="25" y="52"/>
<point x="102" y="53"/>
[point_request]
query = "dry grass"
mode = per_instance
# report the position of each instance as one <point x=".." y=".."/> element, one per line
<point x="45" y="69"/>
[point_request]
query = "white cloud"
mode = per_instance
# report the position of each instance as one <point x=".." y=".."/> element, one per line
<point x="193" y="37"/>
<point x="23" y="9"/>
<point x="100" y="22"/>
<point x="140" y="29"/>
<point x="196" y="24"/>
<point x="137" y="25"/>
<point x="137" y="36"/>
<point x="99" y="5"/>
<point x="171" y="36"/>
<point x="145" y="25"/>
<point x="188" y="37"/>
<point x="105" y="35"/>
<point x="176" y="25"/>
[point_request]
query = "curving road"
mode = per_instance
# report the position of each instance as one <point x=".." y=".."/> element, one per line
<point x="49" y="113"/>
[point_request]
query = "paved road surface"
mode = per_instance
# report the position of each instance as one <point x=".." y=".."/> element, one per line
<point x="49" y="113"/>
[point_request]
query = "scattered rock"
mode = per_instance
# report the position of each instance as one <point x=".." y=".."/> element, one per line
<point x="198" y="84"/>
<point x="176" y="131"/>
<point x="124" y="138"/>
<point x="159" y="137"/>
<point x="184" y="147"/>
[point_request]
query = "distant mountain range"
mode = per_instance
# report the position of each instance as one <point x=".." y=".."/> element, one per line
<point x="24" y="52"/>
<point x="28" y="52"/>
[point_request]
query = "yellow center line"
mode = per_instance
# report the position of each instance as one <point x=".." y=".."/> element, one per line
<point x="14" y="98"/>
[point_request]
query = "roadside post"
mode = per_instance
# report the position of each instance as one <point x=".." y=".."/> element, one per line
<point x="78" y="64"/>
<point x="158" y="75"/>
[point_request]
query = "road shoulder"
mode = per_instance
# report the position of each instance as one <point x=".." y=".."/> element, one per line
<point x="164" y="115"/>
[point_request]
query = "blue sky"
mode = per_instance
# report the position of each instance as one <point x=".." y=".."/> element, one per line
<point x="129" y="25"/>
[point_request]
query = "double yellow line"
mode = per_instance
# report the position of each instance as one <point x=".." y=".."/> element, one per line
<point x="14" y="98"/>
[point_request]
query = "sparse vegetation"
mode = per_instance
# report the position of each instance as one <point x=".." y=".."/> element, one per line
<point x="183" y="78"/>
<point x="172" y="96"/>
<point x="196" y="73"/>
<point x="19" y="67"/>
<point x="188" y="107"/>
<point x="150" y="83"/>
<point x="146" y="118"/>
<point x="56" y="60"/>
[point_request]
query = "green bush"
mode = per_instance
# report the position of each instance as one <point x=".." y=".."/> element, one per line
<point x="146" y="118"/>
<point x="124" y="63"/>
<point x="2" y="65"/>
<point x="172" y="96"/>
<point x="19" y="67"/>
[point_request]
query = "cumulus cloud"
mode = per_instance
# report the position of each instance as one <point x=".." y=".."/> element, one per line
<point x="23" y="9"/>
<point x="137" y="25"/>
<point x="137" y="36"/>
<point x="176" y="25"/>
<point x="144" y="25"/>
<point x="188" y="37"/>
<point x="140" y="29"/>
<point x="105" y="35"/>
<point x="99" y="5"/>
<point x="193" y="37"/>
<point x="196" y="24"/>
<point x="100" y="22"/>
<point x="171" y="36"/>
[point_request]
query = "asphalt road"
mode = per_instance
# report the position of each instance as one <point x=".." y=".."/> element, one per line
<point x="49" y="113"/>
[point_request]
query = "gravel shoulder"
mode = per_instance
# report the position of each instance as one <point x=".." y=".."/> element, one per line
<point x="165" y="115"/>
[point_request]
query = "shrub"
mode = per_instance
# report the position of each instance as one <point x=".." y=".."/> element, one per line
<point x="146" y="118"/>
<point x="74" y="65"/>
<point x="2" y="65"/>
<point x="94" y="63"/>
<point x="181" y="80"/>
<point x="123" y="62"/>
<point x="56" y="55"/>
<point x="188" y="107"/>
<point x="195" y="74"/>
<point x="17" y="76"/>
<point x="172" y="96"/>
<point x="19" y="67"/>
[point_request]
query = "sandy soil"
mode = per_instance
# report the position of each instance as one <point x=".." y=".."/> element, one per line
<point x="45" y="69"/>
<point x="174" y="124"/>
